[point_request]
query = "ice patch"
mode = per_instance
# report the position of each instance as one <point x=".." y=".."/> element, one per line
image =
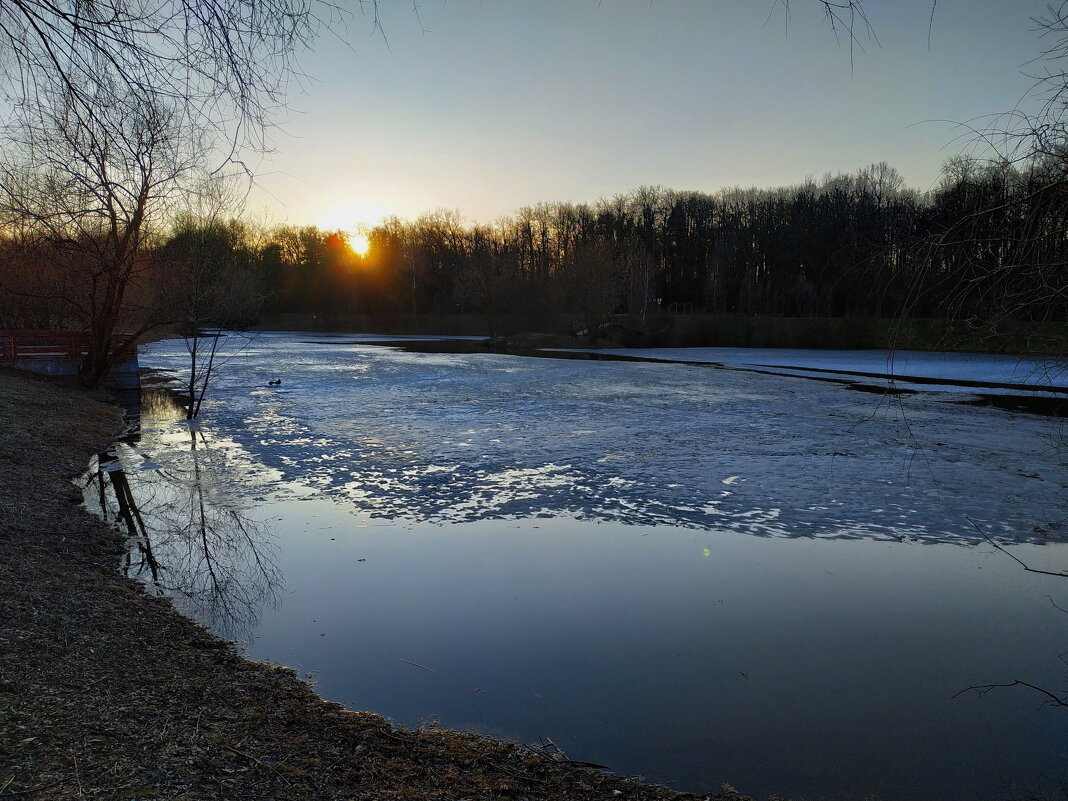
<point x="635" y="443"/>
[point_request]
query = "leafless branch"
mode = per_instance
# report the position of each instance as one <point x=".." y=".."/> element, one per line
<point x="982" y="689"/>
<point x="1013" y="557"/>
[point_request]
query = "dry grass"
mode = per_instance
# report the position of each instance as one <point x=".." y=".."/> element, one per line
<point x="107" y="692"/>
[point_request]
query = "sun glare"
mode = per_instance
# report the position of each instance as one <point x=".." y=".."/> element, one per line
<point x="354" y="219"/>
<point x="359" y="243"/>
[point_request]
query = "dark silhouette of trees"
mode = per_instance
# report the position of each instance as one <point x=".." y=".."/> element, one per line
<point x="84" y="187"/>
<point x="115" y="105"/>
<point x="985" y="249"/>
<point x="849" y="245"/>
<point x="985" y="245"/>
<point x="590" y="282"/>
<point x="992" y="257"/>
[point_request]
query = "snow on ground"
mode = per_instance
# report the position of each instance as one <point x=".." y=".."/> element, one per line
<point x="450" y="437"/>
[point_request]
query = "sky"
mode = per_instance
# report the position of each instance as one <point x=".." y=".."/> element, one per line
<point x="485" y="106"/>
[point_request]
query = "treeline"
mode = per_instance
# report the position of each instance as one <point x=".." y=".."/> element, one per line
<point x="987" y="245"/>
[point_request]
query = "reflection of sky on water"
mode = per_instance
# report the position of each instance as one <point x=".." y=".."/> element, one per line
<point x="450" y="438"/>
<point x="627" y="645"/>
<point x="572" y="540"/>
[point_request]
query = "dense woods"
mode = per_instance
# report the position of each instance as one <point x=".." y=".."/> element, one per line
<point x="986" y="246"/>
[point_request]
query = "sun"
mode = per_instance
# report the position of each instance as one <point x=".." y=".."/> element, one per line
<point x="355" y="219"/>
<point x="359" y="243"/>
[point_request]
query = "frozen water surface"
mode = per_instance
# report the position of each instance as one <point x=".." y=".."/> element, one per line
<point x="451" y="438"/>
<point x="699" y="575"/>
<point x="985" y="373"/>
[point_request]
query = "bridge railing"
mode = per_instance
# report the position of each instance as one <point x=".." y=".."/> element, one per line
<point x="37" y="344"/>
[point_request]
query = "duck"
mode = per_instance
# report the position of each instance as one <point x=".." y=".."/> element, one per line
<point x="275" y="383"/>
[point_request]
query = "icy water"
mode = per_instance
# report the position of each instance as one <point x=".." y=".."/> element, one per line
<point x="985" y="373"/>
<point x="695" y="574"/>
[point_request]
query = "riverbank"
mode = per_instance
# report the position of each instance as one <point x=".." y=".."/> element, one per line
<point x="663" y="330"/>
<point x="108" y="692"/>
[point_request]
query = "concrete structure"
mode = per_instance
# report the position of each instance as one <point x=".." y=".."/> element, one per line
<point x="61" y="353"/>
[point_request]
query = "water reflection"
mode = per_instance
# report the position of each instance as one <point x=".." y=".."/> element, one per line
<point x="158" y="405"/>
<point x="693" y="655"/>
<point x="189" y="531"/>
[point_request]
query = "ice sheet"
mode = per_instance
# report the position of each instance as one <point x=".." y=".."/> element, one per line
<point x="451" y="437"/>
<point x="945" y="371"/>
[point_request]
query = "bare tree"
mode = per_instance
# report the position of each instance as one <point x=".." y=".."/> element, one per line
<point x="881" y="181"/>
<point x="210" y="270"/>
<point x="591" y="284"/>
<point x="115" y="104"/>
<point x="847" y="19"/>
<point x="87" y="187"/>
<point x="222" y="65"/>
<point x="486" y="281"/>
<point x="1001" y="258"/>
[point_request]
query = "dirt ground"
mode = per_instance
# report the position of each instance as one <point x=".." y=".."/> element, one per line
<point x="106" y="692"/>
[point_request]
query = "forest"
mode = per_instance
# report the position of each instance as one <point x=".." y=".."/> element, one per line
<point x="985" y="247"/>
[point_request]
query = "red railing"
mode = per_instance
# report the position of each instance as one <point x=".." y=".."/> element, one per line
<point x="52" y="345"/>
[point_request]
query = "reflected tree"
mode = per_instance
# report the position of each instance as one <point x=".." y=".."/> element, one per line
<point x="1051" y="697"/>
<point x="190" y="535"/>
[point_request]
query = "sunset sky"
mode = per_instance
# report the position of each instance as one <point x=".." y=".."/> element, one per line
<point x="505" y="103"/>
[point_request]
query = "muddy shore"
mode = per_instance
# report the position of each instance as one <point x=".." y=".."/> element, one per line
<point x="108" y="692"/>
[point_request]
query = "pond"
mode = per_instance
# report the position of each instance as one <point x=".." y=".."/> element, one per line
<point x="694" y="574"/>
